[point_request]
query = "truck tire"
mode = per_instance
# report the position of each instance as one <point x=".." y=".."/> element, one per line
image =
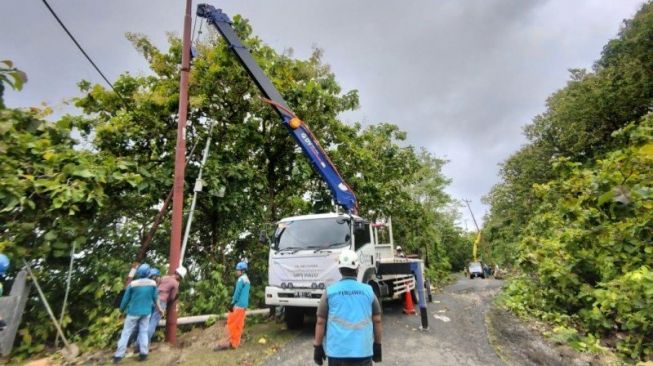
<point x="294" y="317"/>
<point x="375" y="288"/>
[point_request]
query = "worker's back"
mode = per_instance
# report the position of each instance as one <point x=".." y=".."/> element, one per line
<point x="139" y="297"/>
<point x="349" y="321"/>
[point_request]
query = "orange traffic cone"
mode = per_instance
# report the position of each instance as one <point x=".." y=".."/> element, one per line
<point x="408" y="304"/>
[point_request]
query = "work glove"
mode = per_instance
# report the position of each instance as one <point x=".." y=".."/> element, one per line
<point x="377" y="352"/>
<point x="318" y="354"/>
<point x="231" y="307"/>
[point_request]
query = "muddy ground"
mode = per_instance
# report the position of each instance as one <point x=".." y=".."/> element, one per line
<point x="456" y="335"/>
<point x="465" y="328"/>
<point x="521" y="343"/>
<point x="261" y="339"/>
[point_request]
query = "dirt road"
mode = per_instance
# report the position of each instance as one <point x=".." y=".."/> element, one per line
<point x="457" y="334"/>
<point x="459" y="318"/>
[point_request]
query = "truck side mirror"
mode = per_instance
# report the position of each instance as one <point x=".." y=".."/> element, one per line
<point x="360" y="225"/>
<point x="262" y="238"/>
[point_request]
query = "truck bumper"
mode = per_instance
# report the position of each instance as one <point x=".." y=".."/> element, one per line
<point x="275" y="296"/>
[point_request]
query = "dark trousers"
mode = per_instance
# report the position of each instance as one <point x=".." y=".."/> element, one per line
<point x="350" y="361"/>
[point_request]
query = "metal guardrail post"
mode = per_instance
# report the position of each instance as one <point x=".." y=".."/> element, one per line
<point x="11" y="309"/>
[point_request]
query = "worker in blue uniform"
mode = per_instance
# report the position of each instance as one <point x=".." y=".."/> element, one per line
<point x="137" y="302"/>
<point x="352" y="316"/>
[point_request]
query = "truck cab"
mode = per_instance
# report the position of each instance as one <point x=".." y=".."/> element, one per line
<point x="303" y="259"/>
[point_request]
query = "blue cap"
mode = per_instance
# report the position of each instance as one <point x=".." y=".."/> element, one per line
<point x="4" y="263"/>
<point x="143" y="270"/>
<point x="154" y="272"/>
<point x="241" y="266"/>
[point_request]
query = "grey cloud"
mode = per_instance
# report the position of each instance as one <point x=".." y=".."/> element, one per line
<point x="461" y="77"/>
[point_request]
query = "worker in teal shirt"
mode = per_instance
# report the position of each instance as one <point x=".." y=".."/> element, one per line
<point x="237" y="309"/>
<point x="137" y="302"/>
<point x="241" y="292"/>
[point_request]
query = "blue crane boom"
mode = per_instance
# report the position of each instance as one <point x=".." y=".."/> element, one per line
<point x="340" y="190"/>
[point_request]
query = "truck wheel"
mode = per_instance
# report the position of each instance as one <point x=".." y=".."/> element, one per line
<point x="375" y="288"/>
<point x="294" y="317"/>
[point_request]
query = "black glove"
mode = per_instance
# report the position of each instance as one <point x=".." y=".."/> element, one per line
<point x="318" y="354"/>
<point x="231" y="307"/>
<point x="3" y="324"/>
<point x="377" y="352"/>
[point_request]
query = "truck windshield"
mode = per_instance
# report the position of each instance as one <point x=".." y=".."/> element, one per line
<point x="312" y="234"/>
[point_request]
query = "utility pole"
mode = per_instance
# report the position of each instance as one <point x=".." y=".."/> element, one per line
<point x="180" y="165"/>
<point x="478" y="231"/>
<point x="470" y="211"/>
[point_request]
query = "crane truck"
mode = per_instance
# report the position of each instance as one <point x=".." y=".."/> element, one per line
<point x="304" y="250"/>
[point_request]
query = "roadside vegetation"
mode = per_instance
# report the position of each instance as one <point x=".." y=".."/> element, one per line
<point x="95" y="180"/>
<point x="573" y="214"/>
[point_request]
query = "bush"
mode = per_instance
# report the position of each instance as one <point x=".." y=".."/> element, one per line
<point x="586" y="252"/>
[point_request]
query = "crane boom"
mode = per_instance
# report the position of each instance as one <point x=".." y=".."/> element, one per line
<point x="340" y="190"/>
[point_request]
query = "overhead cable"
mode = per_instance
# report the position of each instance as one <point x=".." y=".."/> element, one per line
<point x="81" y="49"/>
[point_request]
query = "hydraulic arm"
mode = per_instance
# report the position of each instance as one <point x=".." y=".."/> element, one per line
<point x="340" y="190"/>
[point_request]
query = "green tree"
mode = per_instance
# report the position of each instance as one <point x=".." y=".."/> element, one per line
<point x="11" y="76"/>
<point x="105" y="190"/>
<point x="572" y="204"/>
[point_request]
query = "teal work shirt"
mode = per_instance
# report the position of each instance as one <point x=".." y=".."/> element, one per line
<point x="139" y="298"/>
<point x="241" y="293"/>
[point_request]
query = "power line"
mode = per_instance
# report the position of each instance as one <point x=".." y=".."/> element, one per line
<point x="81" y="49"/>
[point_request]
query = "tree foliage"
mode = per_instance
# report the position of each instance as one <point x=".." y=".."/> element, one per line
<point x="575" y="203"/>
<point x="11" y="76"/>
<point x="102" y="190"/>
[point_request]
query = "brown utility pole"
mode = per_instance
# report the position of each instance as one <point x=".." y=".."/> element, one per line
<point x="180" y="165"/>
<point x="470" y="211"/>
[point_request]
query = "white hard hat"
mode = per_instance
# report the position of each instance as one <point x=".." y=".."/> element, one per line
<point x="348" y="259"/>
<point x="181" y="271"/>
<point x="399" y="247"/>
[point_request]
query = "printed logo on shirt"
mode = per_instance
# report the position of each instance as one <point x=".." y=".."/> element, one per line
<point x="350" y="292"/>
<point x="142" y="282"/>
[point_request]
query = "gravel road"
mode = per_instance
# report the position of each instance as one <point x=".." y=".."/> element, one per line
<point x="457" y="334"/>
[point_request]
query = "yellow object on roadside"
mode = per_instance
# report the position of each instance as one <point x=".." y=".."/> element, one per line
<point x="476" y="242"/>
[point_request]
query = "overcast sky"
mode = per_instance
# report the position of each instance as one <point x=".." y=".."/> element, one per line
<point x="461" y="77"/>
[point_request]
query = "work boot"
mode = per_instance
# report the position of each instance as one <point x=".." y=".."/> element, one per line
<point x="117" y="359"/>
<point x="142" y="357"/>
<point x="221" y="347"/>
